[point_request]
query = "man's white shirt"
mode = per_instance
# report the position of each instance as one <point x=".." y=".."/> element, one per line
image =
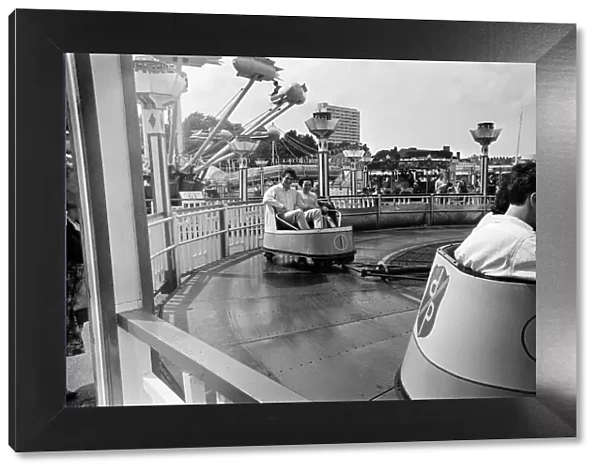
<point x="501" y="246"/>
<point x="278" y="196"/>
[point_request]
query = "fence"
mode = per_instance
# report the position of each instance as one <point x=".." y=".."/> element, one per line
<point x="208" y="230"/>
<point x="196" y="236"/>
<point x="209" y="376"/>
<point x="368" y="212"/>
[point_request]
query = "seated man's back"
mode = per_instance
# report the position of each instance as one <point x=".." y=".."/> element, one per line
<point x="501" y="246"/>
<point x="505" y="245"/>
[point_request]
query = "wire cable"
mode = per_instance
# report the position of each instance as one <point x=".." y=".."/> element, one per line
<point x="303" y="151"/>
<point x="218" y="115"/>
<point x="302" y="145"/>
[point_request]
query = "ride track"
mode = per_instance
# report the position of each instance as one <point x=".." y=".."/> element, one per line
<point x="328" y="336"/>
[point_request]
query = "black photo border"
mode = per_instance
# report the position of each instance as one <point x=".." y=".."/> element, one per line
<point x="38" y="418"/>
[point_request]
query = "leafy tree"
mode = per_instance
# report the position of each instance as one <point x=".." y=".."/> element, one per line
<point x="198" y="121"/>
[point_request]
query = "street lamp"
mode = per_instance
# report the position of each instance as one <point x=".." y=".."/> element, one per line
<point x="322" y="126"/>
<point x="365" y="160"/>
<point x="243" y="147"/>
<point x="354" y="155"/>
<point x="485" y="135"/>
<point x="262" y="163"/>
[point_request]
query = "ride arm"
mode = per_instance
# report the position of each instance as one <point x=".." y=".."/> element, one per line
<point x="222" y="121"/>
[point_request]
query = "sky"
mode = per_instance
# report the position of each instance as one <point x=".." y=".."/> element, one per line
<point x="402" y="103"/>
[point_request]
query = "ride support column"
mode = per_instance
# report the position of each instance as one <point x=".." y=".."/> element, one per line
<point x="154" y="130"/>
<point x="323" y="167"/>
<point x="243" y="173"/>
<point x="484" y="175"/>
<point x="353" y="186"/>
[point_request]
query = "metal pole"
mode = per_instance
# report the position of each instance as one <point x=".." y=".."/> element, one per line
<point x="353" y="187"/>
<point x="262" y="181"/>
<point x="484" y="173"/>
<point x="216" y="129"/>
<point x="323" y="168"/>
<point x="243" y="173"/>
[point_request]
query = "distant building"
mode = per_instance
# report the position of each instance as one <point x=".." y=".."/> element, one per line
<point x="348" y="128"/>
<point x="444" y="153"/>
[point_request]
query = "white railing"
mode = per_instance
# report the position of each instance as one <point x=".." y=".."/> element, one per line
<point x="159" y="228"/>
<point x="199" y="236"/>
<point x="354" y="202"/>
<point x="365" y="201"/>
<point x="194" y="237"/>
<point x="187" y="240"/>
<point x="209" y="375"/>
<point x="245" y="224"/>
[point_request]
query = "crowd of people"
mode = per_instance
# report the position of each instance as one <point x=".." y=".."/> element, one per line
<point x="406" y="184"/>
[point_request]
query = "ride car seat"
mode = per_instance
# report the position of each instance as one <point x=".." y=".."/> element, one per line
<point x="474" y="336"/>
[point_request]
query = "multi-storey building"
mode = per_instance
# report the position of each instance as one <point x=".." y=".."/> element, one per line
<point x="348" y="128"/>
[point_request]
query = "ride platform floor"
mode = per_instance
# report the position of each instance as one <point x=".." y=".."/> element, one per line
<point x="329" y="336"/>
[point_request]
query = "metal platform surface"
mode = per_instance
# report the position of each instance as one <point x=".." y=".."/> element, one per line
<point x="329" y="336"/>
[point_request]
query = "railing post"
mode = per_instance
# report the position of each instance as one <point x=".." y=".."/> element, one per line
<point x="224" y="232"/>
<point x="378" y="211"/>
<point x="136" y="364"/>
<point x="431" y="209"/>
<point x="194" y="389"/>
<point x="176" y="239"/>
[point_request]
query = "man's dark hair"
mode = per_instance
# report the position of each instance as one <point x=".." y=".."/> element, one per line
<point x="291" y="172"/>
<point x="304" y="179"/>
<point x="522" y="182"/>
<point x="501" y="203"/>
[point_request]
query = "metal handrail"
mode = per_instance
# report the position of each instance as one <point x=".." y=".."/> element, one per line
<point x="219" y="372"/>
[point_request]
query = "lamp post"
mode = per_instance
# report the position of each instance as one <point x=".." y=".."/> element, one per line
<point x="243" y="147"/>
<point x="262" y="163"/>
<point x="322" y="126"/>
<point x="354" y="155"/>
<point x="485" y="135"/>
<point x="365" y="160"/>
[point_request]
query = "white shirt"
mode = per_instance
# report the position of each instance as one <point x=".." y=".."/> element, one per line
<point x="309" y="200"/>
<point x="277" y="197"/>
<point x="439" y="184"/>
<point x="501" y="246"/>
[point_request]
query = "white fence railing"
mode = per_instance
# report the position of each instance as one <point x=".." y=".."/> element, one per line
<point x="159" y="230"/>
<point x="194" y="237"/>
<point x="209" y="375"/>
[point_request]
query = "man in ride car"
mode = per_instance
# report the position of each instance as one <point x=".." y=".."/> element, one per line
<point x="288" y="205"/>
<point x="504" y="245"/>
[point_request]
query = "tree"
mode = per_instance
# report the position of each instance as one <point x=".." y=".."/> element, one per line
<point x="294" y="147"/>
<point x="198" y="121"/>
